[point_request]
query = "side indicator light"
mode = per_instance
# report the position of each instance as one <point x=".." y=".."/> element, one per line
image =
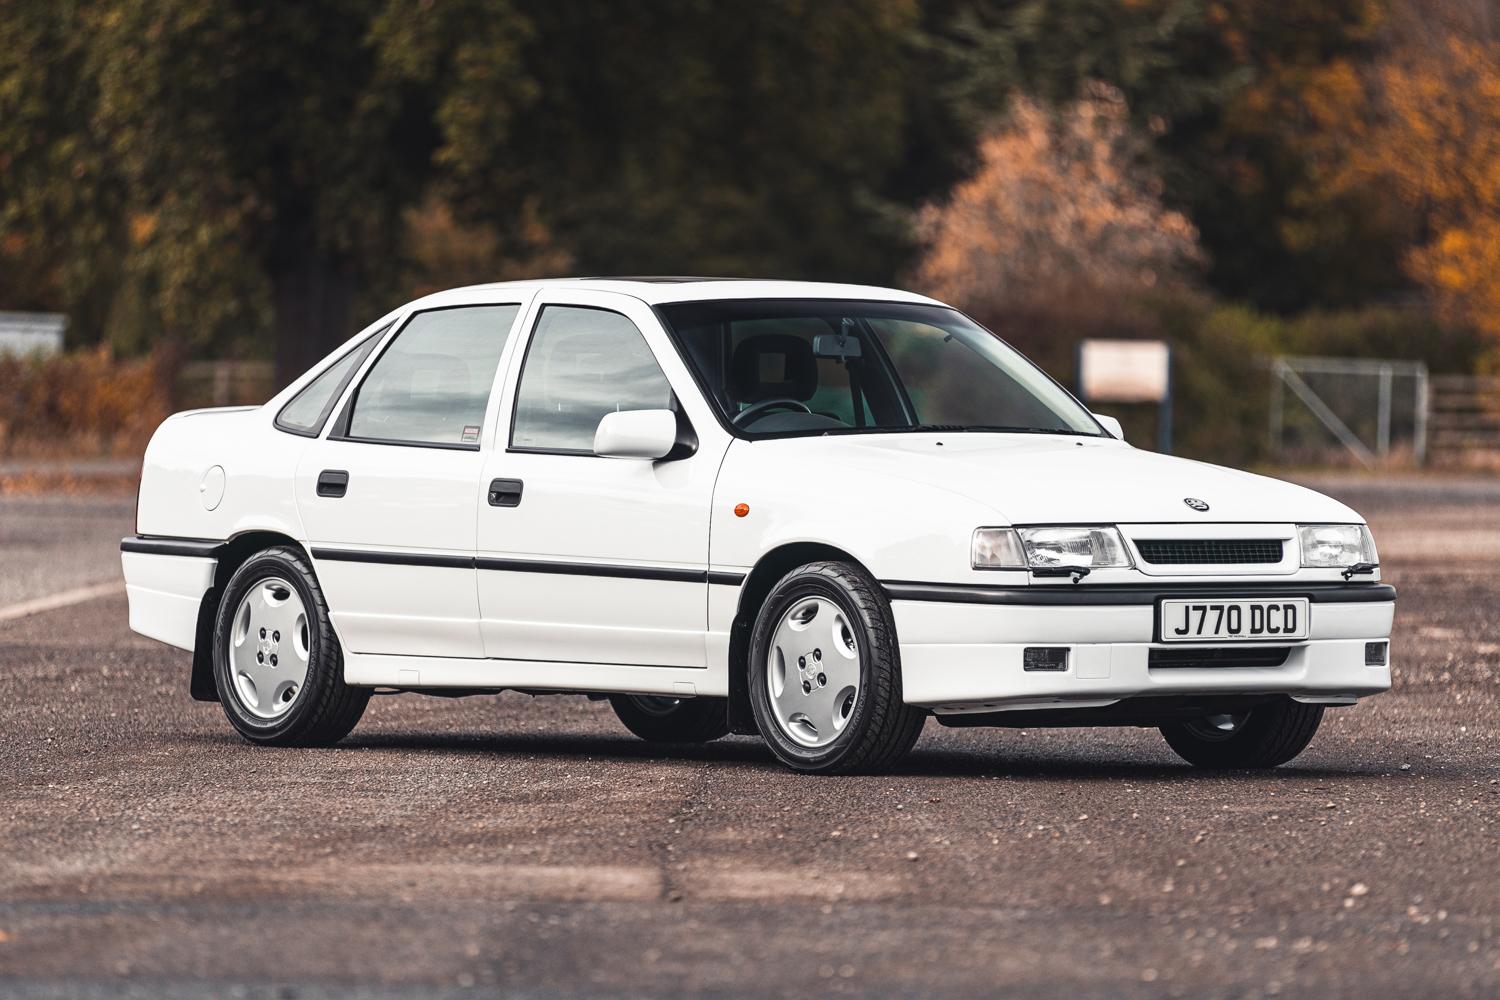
<point x="741" y="509"/>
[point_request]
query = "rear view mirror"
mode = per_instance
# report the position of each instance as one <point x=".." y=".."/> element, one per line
<point x="838" y="346"/>
<point x="636" y="434"/>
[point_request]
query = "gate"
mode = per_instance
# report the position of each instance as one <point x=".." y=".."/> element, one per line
<point x="1376" y="411"/>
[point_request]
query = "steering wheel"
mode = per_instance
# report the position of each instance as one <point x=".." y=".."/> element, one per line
<point x="765" y="406"/>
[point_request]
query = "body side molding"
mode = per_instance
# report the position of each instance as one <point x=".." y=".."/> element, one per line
<point x="1118" y="594"/>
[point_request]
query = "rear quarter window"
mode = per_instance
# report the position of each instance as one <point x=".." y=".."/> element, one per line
<point x="308" y="411"/>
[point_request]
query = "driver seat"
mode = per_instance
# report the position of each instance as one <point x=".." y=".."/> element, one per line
<point x="773" y="366"/>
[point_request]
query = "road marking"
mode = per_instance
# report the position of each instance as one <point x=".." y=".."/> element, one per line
<point x="66" y="598"/>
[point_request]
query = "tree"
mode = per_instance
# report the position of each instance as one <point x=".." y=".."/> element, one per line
<point x="218" y="168"/>
<point x="60" y="200"/>
<point x="753" y="139"/>
<point x="1228" y="92"/>
<point x="1430" y="136"/>
<point x="1060" y="204"/>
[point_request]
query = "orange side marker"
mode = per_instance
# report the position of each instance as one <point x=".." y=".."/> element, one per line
<point x="741" y="509"/>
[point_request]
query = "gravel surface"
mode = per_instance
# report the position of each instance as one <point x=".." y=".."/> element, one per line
<point x="52" y="544"/>
<point x="530" y="847"/>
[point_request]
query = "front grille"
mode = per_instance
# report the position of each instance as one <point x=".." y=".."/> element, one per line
<point x="1221" y="656"/>
<point x="1210" y="551"/>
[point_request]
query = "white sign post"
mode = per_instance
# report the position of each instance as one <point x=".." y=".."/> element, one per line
<point x="25" y="334"/>
<point x="1129" y="371"/>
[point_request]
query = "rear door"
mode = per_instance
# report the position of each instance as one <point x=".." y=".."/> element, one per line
<point x="388" y="498"/>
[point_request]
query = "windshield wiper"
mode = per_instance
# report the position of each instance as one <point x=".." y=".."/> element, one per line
<point x="1076" y="572"/>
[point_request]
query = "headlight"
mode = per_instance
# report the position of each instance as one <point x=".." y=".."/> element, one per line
<point x="1332" y="546"/>
<point x="1049" y="548"/>
<point x="1089" y="548"/>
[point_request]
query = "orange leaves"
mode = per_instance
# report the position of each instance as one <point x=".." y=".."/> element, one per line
<point x="86" y="402"/>
<point x="1059" y="201"/>
<point x="1432" y="139"/>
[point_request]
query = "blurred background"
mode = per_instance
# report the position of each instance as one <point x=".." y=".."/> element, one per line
<point x="200" y="198"/>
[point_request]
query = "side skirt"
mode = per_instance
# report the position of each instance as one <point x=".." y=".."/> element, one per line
<point x="414" y="672"/>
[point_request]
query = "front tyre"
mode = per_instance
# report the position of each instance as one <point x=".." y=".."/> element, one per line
<point x="278" y="666"/>
<point x="1266" y="736"/>
<point x="825" y="673"/>
<point x="657" y="719"/>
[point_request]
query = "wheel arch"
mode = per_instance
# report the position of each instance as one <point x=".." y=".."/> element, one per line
<point x="768" y="570"/>
<point x="232" y="555"/>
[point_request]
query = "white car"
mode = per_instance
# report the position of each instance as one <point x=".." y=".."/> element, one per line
<point x="816" y="512"/>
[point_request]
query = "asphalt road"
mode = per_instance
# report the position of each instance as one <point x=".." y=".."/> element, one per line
<point x="530" y="847"/>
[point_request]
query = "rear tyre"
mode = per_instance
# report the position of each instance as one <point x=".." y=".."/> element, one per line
<point x="278" y="667"/>
<point x="825" y="673"/>
<point x="1266" y="736"/>
<point x="657" y="719"/>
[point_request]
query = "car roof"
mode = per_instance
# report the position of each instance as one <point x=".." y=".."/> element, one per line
<point x="671" y="288"/>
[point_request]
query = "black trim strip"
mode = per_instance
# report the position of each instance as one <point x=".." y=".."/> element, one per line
<point x="199" y="548"/>
<point x="1130" y="594"/>
<point x="395" y="443"/>
<point x="725" y="579"/>
<point x="591" y="569"/>
<point x="394" y="558"/>
<point x="498" y="564"/>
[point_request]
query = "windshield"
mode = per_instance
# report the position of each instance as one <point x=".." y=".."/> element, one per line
<point x="783" y="367"/>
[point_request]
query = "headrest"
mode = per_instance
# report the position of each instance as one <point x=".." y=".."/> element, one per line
<point x="774" y="365"/>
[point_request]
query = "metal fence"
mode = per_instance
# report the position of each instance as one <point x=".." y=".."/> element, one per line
<point x="1465" y="420"/>
<point x="225" y="383"/>
<point x="1374" y="411"/>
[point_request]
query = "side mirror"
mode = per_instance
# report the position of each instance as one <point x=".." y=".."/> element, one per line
<point x="636" y="434"/>
<point x="1112" y="425"/>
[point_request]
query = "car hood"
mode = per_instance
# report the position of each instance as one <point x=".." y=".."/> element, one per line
<point x="1050" y="479"/>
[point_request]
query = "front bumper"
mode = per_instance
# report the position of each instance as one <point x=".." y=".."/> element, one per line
<point x="966" y="655"/>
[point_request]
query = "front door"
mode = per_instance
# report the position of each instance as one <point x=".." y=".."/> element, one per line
<point x="585" y="559"/>
<point x="388" y="500"/>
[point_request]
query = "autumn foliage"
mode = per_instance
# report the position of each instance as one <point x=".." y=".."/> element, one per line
<point x="1059" y="202"/>
<point x="82" y="402"/>
<point x="1435" y="138"/>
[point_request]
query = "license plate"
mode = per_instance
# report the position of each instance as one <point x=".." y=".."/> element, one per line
<point x="1229" y="620"/>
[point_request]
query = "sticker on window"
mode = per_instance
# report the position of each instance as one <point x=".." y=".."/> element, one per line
<point x="471" y="434"/>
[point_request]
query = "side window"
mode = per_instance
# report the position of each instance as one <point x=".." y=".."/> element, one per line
<point x="582" y="364"/>
<point x="432" y="383"/>
<point x="307" y="411"/>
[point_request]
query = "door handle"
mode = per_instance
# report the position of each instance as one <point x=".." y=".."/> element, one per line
<point x="333" y="483"/>
<point x="505" y="492"/>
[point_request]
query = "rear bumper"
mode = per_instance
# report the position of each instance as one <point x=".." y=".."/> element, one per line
<point x="165" y="580"/>
<point x="965" y="657"/>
